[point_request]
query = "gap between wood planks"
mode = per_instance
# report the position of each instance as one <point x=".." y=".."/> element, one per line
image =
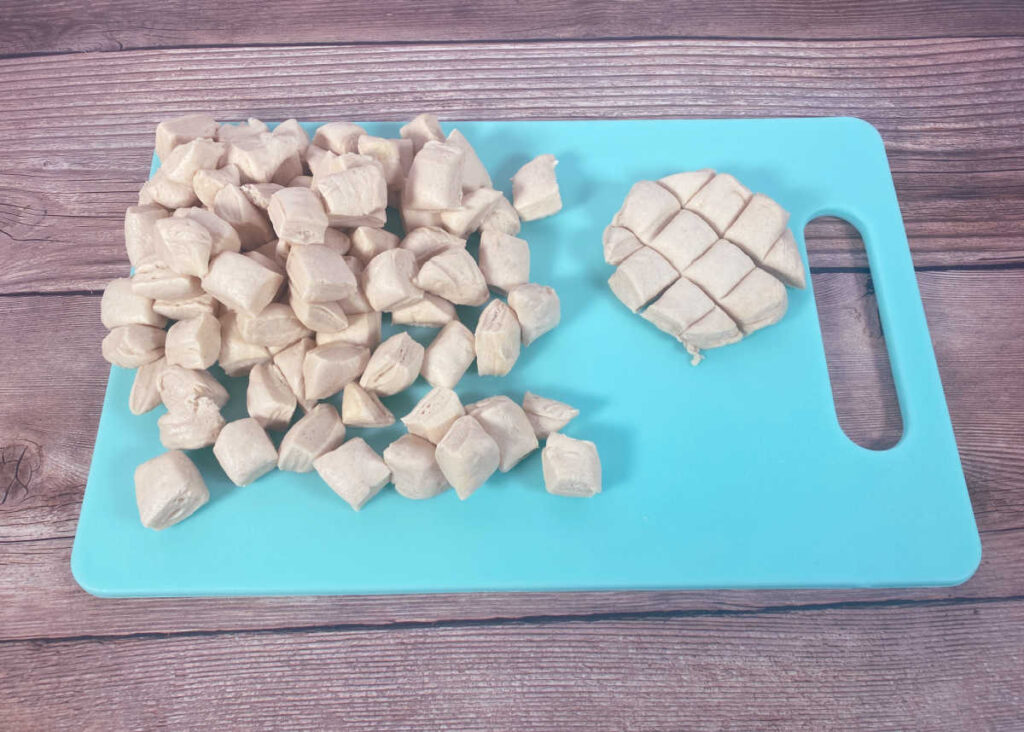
<point x="525" y="620"/>
<point x="499" y="40"/>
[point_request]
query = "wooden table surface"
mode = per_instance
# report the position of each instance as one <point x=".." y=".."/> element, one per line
<point x="83" y="85"/>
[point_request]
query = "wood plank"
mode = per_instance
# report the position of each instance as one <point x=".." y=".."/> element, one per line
<point x="78" y="143"/>
<point x="978" y="344"/>
<point x="62" y="26"/>
<point x="936" y="667"/>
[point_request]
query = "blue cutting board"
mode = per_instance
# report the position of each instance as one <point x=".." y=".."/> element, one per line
<point x="731" y="474"/>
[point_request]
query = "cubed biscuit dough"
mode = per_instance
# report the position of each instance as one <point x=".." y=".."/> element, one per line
<point x="131" y="346"/>
<point x="268" y="398"/>
<point x="319" y="432"/>
<point x="619" y="242"/>
<point x="508" y="425"/>
<point x="467" y="456"/>
<point x="339" y="137"/>
<point x="426" y="241"/>
<point x="414" y="469"/>
<point x="121" y="305"/>
<point x="394" y="366"/>
<point x="476" y="206"/>
<point x="497" y="340"/>
<point x="252" y="225"/>
<point x="434" y="414"/>
<point x="326" y="369"/>
<point x="244" y="451"/>
<point x="547" y="415"/>
<point x="503" y="217"/>
<point x="363" y="330"/>
<point x="237" y="355"/>
<point x="430" y="312"/>
<point x="241" y="283"/>
<point x="157" y="282"/>
<point x="368" y="242"/>
<point x="275" y="325"/>
<point x="389" y="280"/>
<point x="298" y="216"/>
<point x="361" y="408"/>
<point x="684" y="186"/>
<point x="192" y="426"/>
<point x="474" y="173"/>
<point x="537" y="309"/>
<point x="647" y="208"/>
<point x="720" y="201"/>
<point x="290" y="361"/>
<point x="535" y="189"/>
<point x="449" y="355"/>
<point x="185" y="160"/>
<point x="353" y="471"/>
<point x="317" y="273"/>
<point x="640" y="277"/>
<point x="504" y="260"/>
<point x="454" y="275"/>
<point x="684" y="239"/>
<point x="145" y="395"/>
<point x="435" y="178"/>
<point x="318" y="316"/>
<point x="168" y="489"/>
<point x="223" y="237"/>
<point x="422" y="129"/>
<point x="171" y="133"/>
<point x="140" y="232"/>
<point x="184" y="245"/>
<point x="571" y="467"/>
<point x="355" y="197"/>
<point x="194" y="343"/>
<point x="207" y="183"/>
<point x="180" y="388"/>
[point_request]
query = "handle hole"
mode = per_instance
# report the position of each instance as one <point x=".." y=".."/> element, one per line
<point x="863" y="390"/>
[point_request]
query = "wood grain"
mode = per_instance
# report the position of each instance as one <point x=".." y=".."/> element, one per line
<point x="75" y="25"/>
<point x="933" y="667"/>
<point x="976" y="319"/>
<point x="78" y="143"/>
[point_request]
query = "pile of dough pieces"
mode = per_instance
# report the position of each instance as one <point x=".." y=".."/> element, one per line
<point x="713" y="257"/>
<point x="267" y="254"/>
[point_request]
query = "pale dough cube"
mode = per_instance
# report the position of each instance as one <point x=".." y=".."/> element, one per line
<point x="180" y="388"/>
<point x="388" y="153"/>
<point x="504" y="260"/>
<point x="270" y="263"/>
<point x="363" y="330"/>
<point x="244" y="451"/>
<point x="713" y="330"/>
<point x="647" y="208"/>
<point x="571" y="467"/>
<point x="292" y="132"/>
<point x="241" y="283"/>
<point x="158" y="282"/>
<point x="164" y="191"/>
<point x="619" y="242"/>
<point x="207" y="183"/>
<point x="503" y="217"/>
<point x="290" y="361"/>
<point x="356" y="302"/>
<point x="361" y="408"/>
<point x="237" y="355"/>
<point x="337" y="240"/>
<point x="784" y="261"/>
<point x="421" y="130"/>
<point x="547" y="415"/>
<point x="252" y="225"/>
<point x="454" y="275"/>
<point x="355" y="197"/>
<point x="131" y="346"/>
<point x="684" y="239"/>
<point x="187" y="159"/>
<point x="426" y="241"/>
<point x="194" y="424"/>
<point x="537" y="309"/>
<point x="684" y="186"/>
<point x="318" y="316"/>
<point x="260" y="156"/>
<point x="679" y="307"/>
<point x="720" y="201"/>
<point x="435" y="178"/>
<point x="474" y="173"/>
<point x="535" y="189"/>
<point x="414" y="469"/>
<point x="250" y="129"/>
<point x="298" y="216"/>
<point x="720" y="269"/>
<point x="414" y="218"/>
<point x="275" y="325"/>
<point x="758" y="226"/>
<point x="353" y="471"/>
<point x="497" y="340"/>
<point x="368" y="242"/>
<point x="145" y="395"/>
<point x="394" y="366"/>
<point x="449" y="355"/>
<point x="434" y="414"/>
<point x="338" y="137"/>
<point x="184" y="245"/>
<point x="430" y="312"/>
<point x="757" y="301"/>
<point x="319" y="432"/>
<point x="168" y="489"/>
<point x="173" y="132"/>
<point x="476" y="206"/>
<point x="259" y="195"/>
<point x="509" y="427"/>
<point x="268" y="398"/>
<point x="223" y="237"/>
<point x="194" y="343"/>
<point x="389" y="280"/>
<point x="121" y="305"/>
<point x="326" y="369"/>
<point x="191" y="307"/>
<point x="140" y="232"/>
<point x="317" y="273"/>
<point x="301" y="181"/>
<point x="640" y="277"/>
<point x="467" y="456"/>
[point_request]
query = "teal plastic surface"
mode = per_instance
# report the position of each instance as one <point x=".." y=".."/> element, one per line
<point x="731" y="474"/>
